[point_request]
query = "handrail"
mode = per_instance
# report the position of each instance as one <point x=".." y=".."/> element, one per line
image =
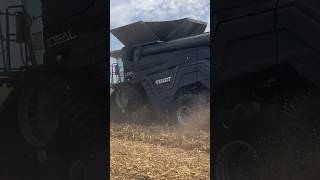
<point x="7" y="38"/>
<point x="8" y="34"/>
<point x="3" y="51"/>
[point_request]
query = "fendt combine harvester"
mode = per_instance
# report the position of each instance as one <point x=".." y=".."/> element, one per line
<point x="52" y="89"/>
<point x="164" y="69"/>
<point x="266" y="79"/>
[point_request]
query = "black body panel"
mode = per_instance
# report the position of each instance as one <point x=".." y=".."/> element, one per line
<point x="253" y="35"/>
<point x="244" y="37"/>
<point x="172" y="56"/>
<point x="73" y="31"/>
<point x="298" y="26"/>
<point x="184" y="67"/>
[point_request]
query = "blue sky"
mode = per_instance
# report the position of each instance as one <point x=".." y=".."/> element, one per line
<point x="123" y="12"/>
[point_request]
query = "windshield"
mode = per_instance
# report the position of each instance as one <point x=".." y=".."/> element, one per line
<point x="117" y="71"/>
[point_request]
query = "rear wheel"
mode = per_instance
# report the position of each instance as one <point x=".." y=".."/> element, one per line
<point x="237" y="160"/>
<point x="267" y="140"/>
<point x="190" y="108"/>
<point x="184" y="114"/>
<point x="62" y="121"/>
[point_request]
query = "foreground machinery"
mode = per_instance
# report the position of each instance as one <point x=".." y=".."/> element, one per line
<point x="52" y="88"/>
<point x="266" y="79"/>
<point x="164" y="69"/>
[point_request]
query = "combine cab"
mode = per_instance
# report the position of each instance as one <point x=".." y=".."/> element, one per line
<point x="117" y="70"/>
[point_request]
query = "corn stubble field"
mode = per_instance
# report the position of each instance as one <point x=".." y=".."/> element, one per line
<point x="160" y="151"/>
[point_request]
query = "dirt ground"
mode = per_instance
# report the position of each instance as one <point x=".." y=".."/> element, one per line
<point x="159" y="151"/>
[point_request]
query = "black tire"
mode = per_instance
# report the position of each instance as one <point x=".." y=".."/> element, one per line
<point x="186" y="108"/>
<point x="116" y="113"/>
<point x="275" y="132"/>
<point x="129" y="104"/>
<point x="238" y="160"/>
<point x="38" y="108"/>
<point x="233" y="145"/>
<point x="79" y="129"/>
<point x="127" y="97"/>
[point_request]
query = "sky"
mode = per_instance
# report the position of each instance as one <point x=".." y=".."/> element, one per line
<point x="123" y="12"/>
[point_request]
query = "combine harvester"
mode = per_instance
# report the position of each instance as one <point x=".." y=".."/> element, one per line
<point x="163" y="69"/>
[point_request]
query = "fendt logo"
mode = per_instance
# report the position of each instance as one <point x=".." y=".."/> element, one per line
<point x="163" y="80"/>
<point x="60" y="38"/>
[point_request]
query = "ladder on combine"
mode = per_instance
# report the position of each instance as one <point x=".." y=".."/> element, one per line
<point x="14" y="42"/>
<point x="115" y="74"/>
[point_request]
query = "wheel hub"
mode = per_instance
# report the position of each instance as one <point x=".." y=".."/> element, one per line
<point x="184" y="114"/>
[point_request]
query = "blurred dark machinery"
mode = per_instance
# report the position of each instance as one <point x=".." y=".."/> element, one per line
<point x="53" y="76"/>
<point x="266" y="89"/>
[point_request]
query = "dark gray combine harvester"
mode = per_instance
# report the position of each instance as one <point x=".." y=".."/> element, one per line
<point x="52" y="89"/>
<point x="266" y="79"/>
<point x="164" y="67"/>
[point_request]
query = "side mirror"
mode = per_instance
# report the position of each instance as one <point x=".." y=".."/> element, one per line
<point x="22" y="27"/>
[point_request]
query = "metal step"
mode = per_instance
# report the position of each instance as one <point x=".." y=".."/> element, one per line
<point x="3" y="80"/>
<point x="4" y="93"/>
<point x="4" y="89"/>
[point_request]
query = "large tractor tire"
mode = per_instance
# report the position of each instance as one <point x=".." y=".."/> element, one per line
<point x="190" y="108"/>
<point x="129" y="105"/>
<point x="59" y="117"/>
<point x="116" y="113"/>
<point x="39" y="106"/>
<point x="269" y="140"/>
